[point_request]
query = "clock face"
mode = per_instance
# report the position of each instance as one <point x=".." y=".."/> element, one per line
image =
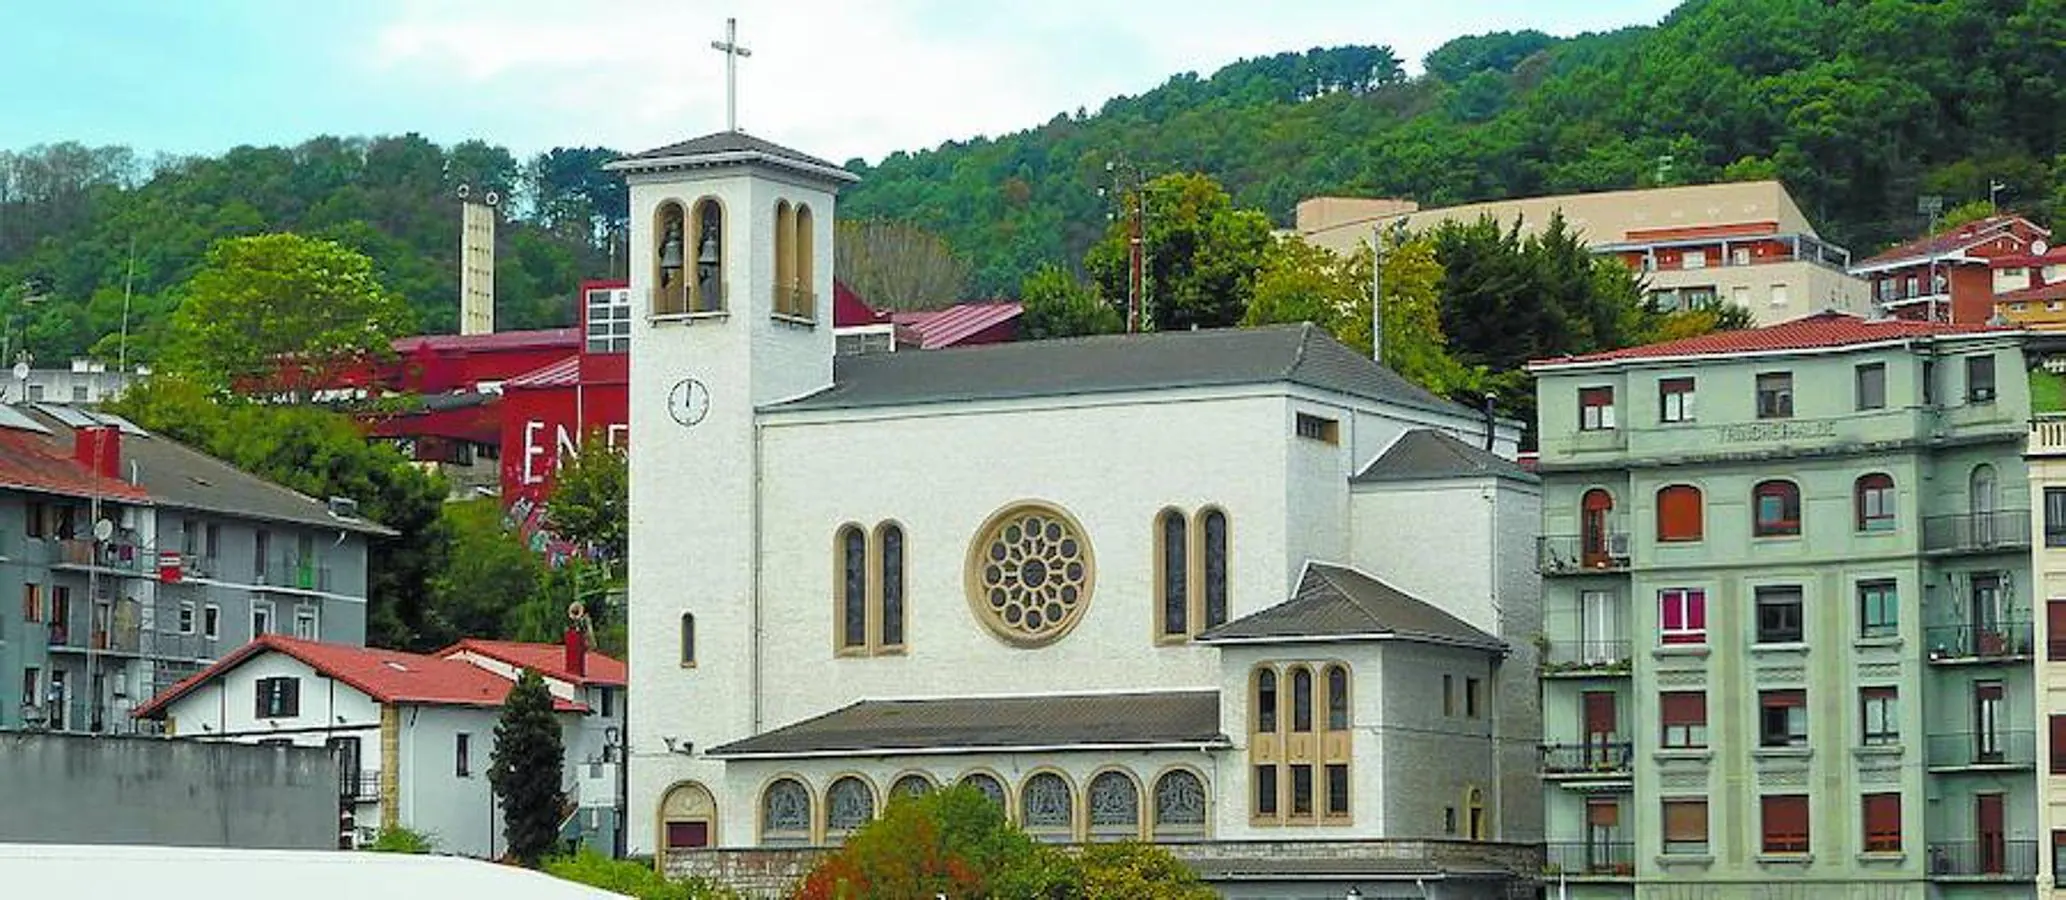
<point x="688" y="402"/>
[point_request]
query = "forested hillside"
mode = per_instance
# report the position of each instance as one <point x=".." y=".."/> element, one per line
<point x="1859" y="105"/>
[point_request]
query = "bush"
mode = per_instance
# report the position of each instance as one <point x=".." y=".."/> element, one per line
<point x="403" y="840"/>
<point x="956" y="842"/>
<point x="631" y="878"/>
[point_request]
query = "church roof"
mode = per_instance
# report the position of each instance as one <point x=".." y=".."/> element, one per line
<point x="1056" y="722"/>
<point x="730" y="147"/>
<point x="1425" y="454"/>
<point x="1337" y="602"/>
<point x="1278" y="354"/>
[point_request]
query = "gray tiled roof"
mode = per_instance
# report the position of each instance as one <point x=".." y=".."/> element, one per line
<point x="1296" y="354"/>
<point x="180" y="477"/>
<point x="1335" y="601"/>
<point x="1424" y="453"/>
<point x="888" y="726"/>
<point x="725" y="142"/>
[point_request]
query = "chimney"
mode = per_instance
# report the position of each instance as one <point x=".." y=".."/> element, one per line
<point x="577" y="652"/>
<point x="99" y="449"/>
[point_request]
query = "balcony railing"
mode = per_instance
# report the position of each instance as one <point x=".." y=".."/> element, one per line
<point x="1963" y="643"/>
<point x="1572" y="554"/>
<point x="1599" y="859"/>
<point x="1586" y="655"/>
<point x="2003" y="859"/>
<point x="115" y="556"/>
<point x="293" y="572"/>
<point x="2002" y="529"/>
<point x="1984" y="750"/>
<point x="2048" y="434"/>
<point x="1600" y="758"/>
<point x="359" y="785"/>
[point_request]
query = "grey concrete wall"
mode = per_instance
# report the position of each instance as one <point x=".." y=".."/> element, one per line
<point x="60" y="788"/>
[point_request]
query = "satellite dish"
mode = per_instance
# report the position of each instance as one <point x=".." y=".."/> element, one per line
<point x="2039" y="248"/>
<point x="21" y="371"/>
<point x="103" y="529"/>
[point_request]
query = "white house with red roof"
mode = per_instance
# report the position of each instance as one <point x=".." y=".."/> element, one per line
<point x="1952" y="276"/>
<point x="412" y="733"/>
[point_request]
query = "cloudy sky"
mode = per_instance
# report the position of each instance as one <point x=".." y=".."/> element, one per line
<point x="838" y="79"/>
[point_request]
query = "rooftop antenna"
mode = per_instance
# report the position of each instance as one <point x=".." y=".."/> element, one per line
<point x="1994" y="188"/>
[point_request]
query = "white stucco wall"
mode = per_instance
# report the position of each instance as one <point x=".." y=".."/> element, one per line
<point x="228" y="705"/>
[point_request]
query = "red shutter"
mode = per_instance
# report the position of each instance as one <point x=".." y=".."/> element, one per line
<point x="1786" y="824"/>
<point x="1678" y="513"/>
<point x="1883" y="823"/>
<point x="2055" y="626"/>
<point x="1684" y="708"/>
<point x="1602" y="813"/>
<point x="2059" y="745"/>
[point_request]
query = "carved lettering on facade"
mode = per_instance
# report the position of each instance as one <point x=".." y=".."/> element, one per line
<point x="1785" y="430"/>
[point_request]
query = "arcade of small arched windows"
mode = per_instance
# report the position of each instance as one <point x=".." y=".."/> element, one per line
<point x="1114" y="804"/>
<point x="1299" y="743"/>
<point x="795" y="263"/>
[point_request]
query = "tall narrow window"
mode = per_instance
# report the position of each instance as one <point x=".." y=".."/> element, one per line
<point x="1301" y="789"/>
<point x="1595" y="409"/>
<point x="670" y="276"/>
<point x="1879" y="610"/>
<point x="1176" y="596"/>
<point x="1980" y="378"/>
<point x="1775" y="395"/>
<point x="1879" y="712"/>
<point x="710" y="256"/>
<point x="1470" y="698"/>
<point x="892" y="541"/>
<point x="854" y="587"/>
<point x="1679" y="513"/>
<point x="1301" y="699"/>
<point x="1266" y="790"/>
<point x="804" y="301"/>
<point x="1337" y="698"/>
<point x="1675" y="400"/>
<point x="2055" y="517"/>
<point x="688" y="639"/>
<point x="1871" y="388"/>
<point x="1266" y="700"/>
<point x="1882" y="823"/>
<point x="462" y="755"/>
<point x="1215" y="568"/>
<point x="1777" y="508"/>
<point x="785" y="257"/>
<point x="1337" y="790"/>
<point x="1873" y="498"/>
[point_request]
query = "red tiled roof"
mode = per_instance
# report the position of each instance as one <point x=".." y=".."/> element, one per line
<point x="1968" y="235"/>
<point x="33" y="462"/>
<point x="388" y="676"/>
<point x="500" y="340"/>
<point x="948" y="327"/>
<point x="1822" y="330"/>
<point x="549" y="659"/>
<point x="2054" y="291"/>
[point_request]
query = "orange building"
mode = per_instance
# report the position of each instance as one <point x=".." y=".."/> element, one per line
<point x="1951" y="277"/>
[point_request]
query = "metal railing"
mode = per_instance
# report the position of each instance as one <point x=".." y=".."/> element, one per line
<point x="1592" y="758"/>
<point x="1573" y="554"/>
<point x="2001" y="529"/>
<point x="2002" y="640"/>
<point x="2005" y="748"/>
<point x="297" y="572"/>
<point x="359" y="785"/>
<point x="1586" y="655"/>
<point x="118" y="556"/>
<point x="1611" y="859"/>
<point x="1984" y="859"/>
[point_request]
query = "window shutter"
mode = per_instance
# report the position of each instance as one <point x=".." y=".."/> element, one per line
<point x="1603" y="813"/>
<point x="1771" y="699"/>
<point x="1685" y="708"/>
<point x="1696" y="610"/>
<point x="1685" y="820"/>
<point x="1678" y="513"/>
<point x="1786" y="823"/>
<point x="1671" y="610"/>
<point x="2059" y="745"/>
<point x="1883" y="822"/>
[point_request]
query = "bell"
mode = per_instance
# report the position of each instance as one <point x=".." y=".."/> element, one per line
<point x="708" y="256"/>
<point x="670" y="249"/>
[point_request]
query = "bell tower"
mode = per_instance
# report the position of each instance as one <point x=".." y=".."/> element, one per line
<point x="731" y="282"/>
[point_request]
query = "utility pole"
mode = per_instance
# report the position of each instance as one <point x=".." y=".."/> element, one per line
<point x="1377" y="294"/>
<point x="1127" y="178"/>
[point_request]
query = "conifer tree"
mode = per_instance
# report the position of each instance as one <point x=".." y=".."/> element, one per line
<point x="525" y="772"/>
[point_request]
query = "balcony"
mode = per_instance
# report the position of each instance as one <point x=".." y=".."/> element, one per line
<point x="1598" y="859"/>
<point x="1569" y="554"/>
<point x="2048" y="435"/>
<point x="2001" y="642"/>
<point x="1986" y="751"/>
<point x="1594" y="761"/>
<point x="359" y="785"/>
<point x="107" y="556"/>
<point x="296" y="573"/>
<point x="1988" y="532"/>
<point x="1583" y="658"/>
<point x="1986" y="859"/>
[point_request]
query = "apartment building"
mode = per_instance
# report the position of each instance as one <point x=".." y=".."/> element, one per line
<point x="137" y="560"/>
<point x="1788" y="632"/>
<point x="2047" y="456"/>
<point x="1745" y="243"/>
<point x="1954" y="276"/>
<point x="413" y="733"/>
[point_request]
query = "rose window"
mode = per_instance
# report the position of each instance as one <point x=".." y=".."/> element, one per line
<point x="1030" y="574"/>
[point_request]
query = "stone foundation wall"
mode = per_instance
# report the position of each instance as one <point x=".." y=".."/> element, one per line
<point x="772" y="872"/>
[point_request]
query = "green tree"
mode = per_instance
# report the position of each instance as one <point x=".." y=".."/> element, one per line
<point x="590" y="502"/>
<point x="1139" y="872"/>
<point x="1964" y="214"/>
<point x="280" y="312"/>
<point x="525" y="771"/>
<point x="1302" y="282"/>
<point x="1057" y="305"/>
<point x="486" y="575"/>
<point x="1201" y="254"/>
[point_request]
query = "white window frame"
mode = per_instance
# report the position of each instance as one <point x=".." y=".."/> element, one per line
<point x="186" y="616"/>
<point x="1596" y="417"/>
<point x="211" y="621"/>
<point x="1682" y="596"/>
<point x="271" y="617"/>
<point x="309" y="614"/>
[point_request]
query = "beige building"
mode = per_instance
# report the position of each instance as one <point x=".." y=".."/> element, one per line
<point x="2047" y="453"/>
<point x="1745" y="243"/>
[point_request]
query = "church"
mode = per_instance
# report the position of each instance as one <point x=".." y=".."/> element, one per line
<point x="1243" y="592"/>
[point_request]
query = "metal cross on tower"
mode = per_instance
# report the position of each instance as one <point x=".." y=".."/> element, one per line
<point x="732" y="51"/>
